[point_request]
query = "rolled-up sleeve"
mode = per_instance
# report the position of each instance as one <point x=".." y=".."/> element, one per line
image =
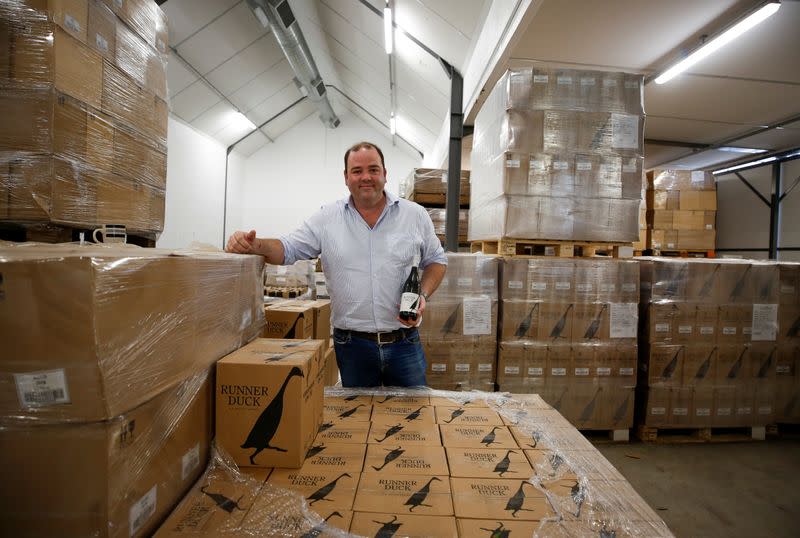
<point x="432" y="251"/>
<point x="304" y="243"/>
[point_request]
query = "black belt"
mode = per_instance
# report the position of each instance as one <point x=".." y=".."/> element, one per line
<point x="389" y="337"/>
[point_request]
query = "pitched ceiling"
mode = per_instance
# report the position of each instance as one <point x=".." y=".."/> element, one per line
<point x="224" y="60"/>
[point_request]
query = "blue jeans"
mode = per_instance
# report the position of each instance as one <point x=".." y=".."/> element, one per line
<point x="364" y="363"/>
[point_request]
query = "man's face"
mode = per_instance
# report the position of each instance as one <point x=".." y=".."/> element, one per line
<point x="365" y="176"/>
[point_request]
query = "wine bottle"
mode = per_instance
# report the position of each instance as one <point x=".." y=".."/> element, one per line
<point x="409" y="301"/>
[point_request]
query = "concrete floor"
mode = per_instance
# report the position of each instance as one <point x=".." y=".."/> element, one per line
<point x="747" y="489"/>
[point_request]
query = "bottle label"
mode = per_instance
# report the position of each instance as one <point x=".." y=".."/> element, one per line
<point x="409" y="302"/>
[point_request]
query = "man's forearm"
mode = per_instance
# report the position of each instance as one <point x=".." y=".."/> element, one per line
<point x="431" y="278"/>
<point x="271" y="249"/>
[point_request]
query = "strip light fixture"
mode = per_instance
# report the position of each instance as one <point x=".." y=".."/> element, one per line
<point x="387" y="29"/>
<point x="392" y="124"/>
<point x="711" y="46"/>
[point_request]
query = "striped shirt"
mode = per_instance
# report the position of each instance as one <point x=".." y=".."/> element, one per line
<point x="365" y="268"/>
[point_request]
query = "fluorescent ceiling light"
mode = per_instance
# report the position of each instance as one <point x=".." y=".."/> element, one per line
<point x="720" y="41"/>
<point x="240" y="121"/>
<point x="734" y="149"/>
<point x="745" y="165"/>
<point x="387" y="29"/>
<point x="392" y="124"/>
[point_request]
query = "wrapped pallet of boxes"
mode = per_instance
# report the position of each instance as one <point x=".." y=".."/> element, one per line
<point x="681" y="210"/>
<point x="107" y="395"/>
<point x="429" y="186"/>
<point x="438" y="217"/>
<point x="712" y="342"/>
<point x="459" y="328"/>
<point x="84" y="141"/>
<point x="557" y="154"/>
<point x="568" y="331"/>
<point x="412" y="462"/>
<point x="787" y="377"/>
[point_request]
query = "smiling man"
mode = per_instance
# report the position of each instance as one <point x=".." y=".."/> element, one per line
<point x="367" y="243"/>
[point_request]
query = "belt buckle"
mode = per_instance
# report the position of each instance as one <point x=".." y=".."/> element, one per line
<point x="390" y="336"/>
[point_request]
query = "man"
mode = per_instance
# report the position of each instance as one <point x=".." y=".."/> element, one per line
<point x="367" y="243"/>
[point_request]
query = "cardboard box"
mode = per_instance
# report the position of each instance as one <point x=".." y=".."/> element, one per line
<point x="263" y="519"/>
<point x="700" y="365"/>
<point x="322" y="320"/>
<point x="789" y="283"/>
<point x="680" y="400"/>
<point x="333" y="490"/>
<point x="725" y="406"/>
<point x="404" y="434"/>
<point x="404" y="494"/>
<point x="335" y="457"/>
<point x="488" y="463"/>
<point x="732" y="365"/>
<point x="410" y="414"/>
<point x="492" y="498"/>
<point x="698" y="200"/>
<point x="456" y="436"/>
<point x="349" y="412"/>
<point x="331" y="367"/>
<point x="556" y="322"/>
<point x="289" y="320"/>
<point x="411" y="526"/>
<point x="344" y="432"/>
<point x="69" y="15"/>
<point x="129" y="103"/>
<point x="657" y="404"/>
<point x="665" y="365"/>
<point x="703" y="407"/>
<point x="592" y="322"/>
<point x="76" y="346"/>
<point x="410" y="460"/>
<point x="529" y="437"/>
<point x="268" y="402"/>
<point x="478" y="528"/>
<point x="382" y="400"/>
<point x="130" y="471"/>
<point x="216" y="504"/>
<point x="789" y="323"/>
<point x="519" y="320"/>
<point x="468" y="416"/>
<point x="102" y="30"/>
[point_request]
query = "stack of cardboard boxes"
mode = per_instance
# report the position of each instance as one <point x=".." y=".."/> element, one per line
<point x="419" y="463"/>
<point x="709" y="352"/>
<point x="681" y="210"/>
<point x="429" y="185"/>
<point x="787" y="378"/>
<point x="459" y="327"/>
<point x="107" y="393"/>
<point x="557" y="154"/>
<point x="568" y="331"/>
<point x="438" y="217"/>
<point x="83" y="87"/>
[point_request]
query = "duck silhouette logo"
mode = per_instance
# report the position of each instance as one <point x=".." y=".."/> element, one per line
<point x="503" y="465"/>
<point x="324" y="491"/>
<point x="499" y="532"/>
<point x="314" y="450"/>
<point x="390" y="457"/>
<point x="229" y="505"/>
<point x="516" y="501"/>
<point x="317" y="530"/>
<point x="268" y="422"/>
<point x="350" y="412"/>
<point x="391" y="431"/>
<point x="490" y="437"/>
<point x="418" y="497"/>
<point x="455" y="414"/>
<point x="414" y="415"/>
<point x="388" y="529"/>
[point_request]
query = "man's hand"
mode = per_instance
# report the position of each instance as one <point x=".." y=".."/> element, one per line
<point x="420" y="310"/>
<point x="242" y="243"/>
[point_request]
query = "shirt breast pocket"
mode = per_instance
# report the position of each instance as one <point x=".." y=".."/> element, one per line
<point x="401" y="248"/>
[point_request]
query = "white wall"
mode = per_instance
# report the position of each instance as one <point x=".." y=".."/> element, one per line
<point x="285" y="182"/>
<point x="195" y="188"/>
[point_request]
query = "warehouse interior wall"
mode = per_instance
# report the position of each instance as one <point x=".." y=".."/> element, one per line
<point x="286" y="181"/>
<point x="195" y="188"/>
<point x="743" y="219"/>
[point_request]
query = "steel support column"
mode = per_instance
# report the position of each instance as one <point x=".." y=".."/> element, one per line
<point x="454" y="159"/>
<point x="775" y="211"/>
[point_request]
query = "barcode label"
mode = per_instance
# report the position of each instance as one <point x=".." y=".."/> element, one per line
<point x="680" y="411"/>
<point x="560" y="165"/>
<point x="72" y="23"/>
<point x="609" y="82"/>
<point x="723" y="411"/>
<point x="39" y="389"/>
<point x="583" y="288"/>
<point x="685" y="329"/>
<point x="535" y="372"/>
<point x="100" y="42"/>
<point x="190" y="462"/>
<point x="626" y="371"/>
<point x="765" y="410"/>
<point x="511" y="370"/>
<point x="662" y="327"/>
<point x="536" y="166"/>
<point x="515" y="284"/>
<point x="438" y="367"/>
<point x="729" y="331"/>
<point x="658" y="411"/>
<point x="142" y="510"/>
<point x="485" y="367"/>
<point x="564" y="80"/>
<point x="608" y="288"/>
<point x="540" y="79"/>
<point x="512" y="163"/>
<point x="582" y="166"/>
<point x="558" y="371"/>
<point x="744" y="411"/>
<point x="538" y="286"/>
<point x="631" y="84"/>
<point x="628" y="288"/>
<point x="706" y="330"/>
<point x="462" y="367"/>
<point x="783" y="369"/>
<point x="487" y="283"/>
<point x="603" y="371"/>
<point x="464" y="282"/>
<point x="588" y="81"/>
<point x="562" y="286"/>
<point x="787" y="288"/>
<point x="581" y="371"/>
<point x="703" y="412"/>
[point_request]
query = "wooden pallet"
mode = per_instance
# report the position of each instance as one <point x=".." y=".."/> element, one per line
<point x="285" y="291"/>
<point x="604" y="437"/>
<point x="682" y="253"/>
<point x="650" y="434"/>
<point x="546" y="247"/>
<point x="54" y="233"/>
<point x="788" y="431"/>
<point x="437" y="199"/>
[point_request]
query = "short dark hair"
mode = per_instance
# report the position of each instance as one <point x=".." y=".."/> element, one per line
<point x="363" y="145"/>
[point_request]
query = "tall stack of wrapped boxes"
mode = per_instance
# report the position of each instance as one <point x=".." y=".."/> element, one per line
<point x="681" y="210"/>
<point x="568" y="331"/>
<point x="459" y="329"/>
<point x="557" y="154"/>
<point x="83" y="89"/>
<point x="106" y="402"/>
<point x="710" y="335"/>
<point x="439" y="218"/>
<point x="431" y="185"/>
<point x="787" y="378"/>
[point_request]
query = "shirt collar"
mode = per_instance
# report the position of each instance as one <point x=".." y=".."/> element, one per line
<point x="391" y="199"/>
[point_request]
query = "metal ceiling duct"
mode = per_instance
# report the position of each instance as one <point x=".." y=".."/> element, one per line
<point x="277" y="15"/>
